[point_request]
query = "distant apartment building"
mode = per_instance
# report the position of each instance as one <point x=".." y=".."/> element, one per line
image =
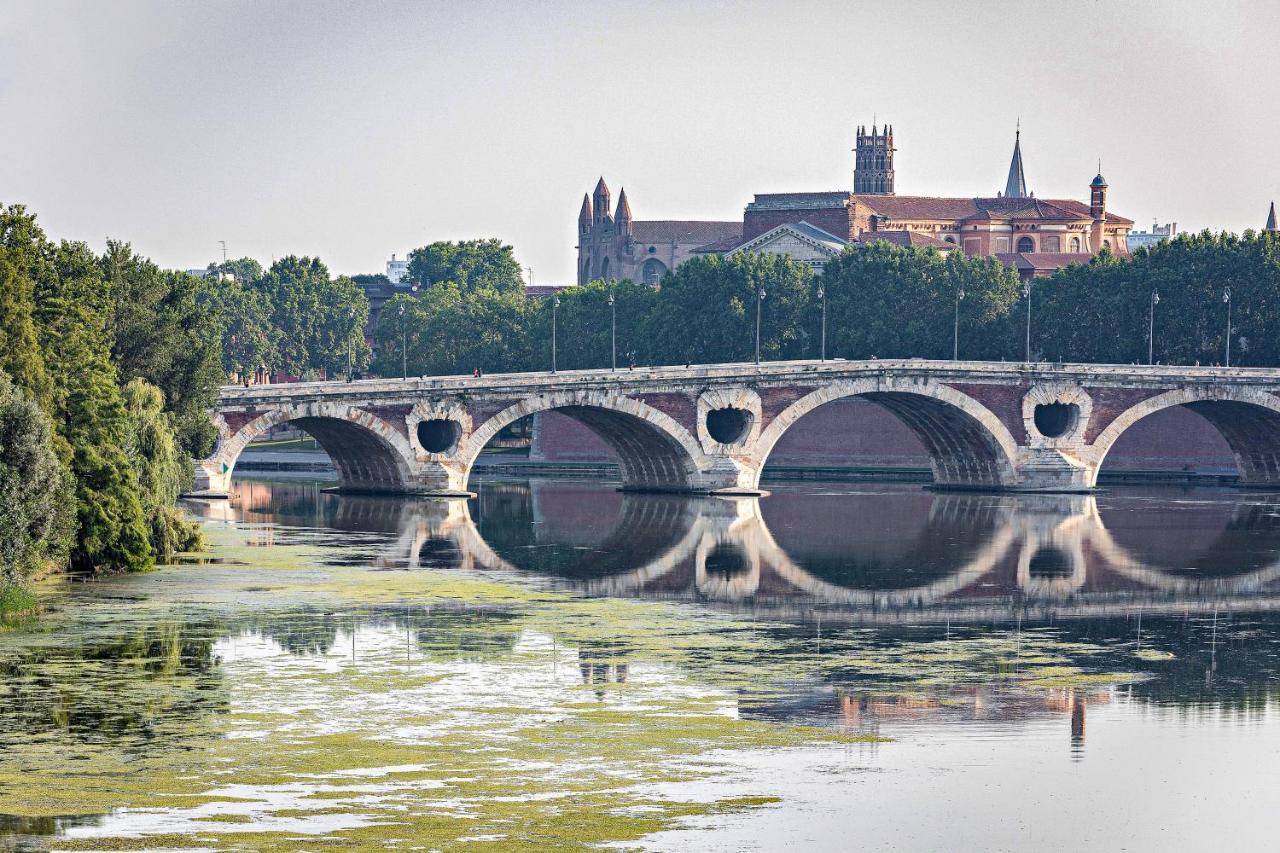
<point x="397" y="270"/>
<point x="1157" y="234"/>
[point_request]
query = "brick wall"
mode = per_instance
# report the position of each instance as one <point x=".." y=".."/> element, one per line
<point x="857" y="433"/>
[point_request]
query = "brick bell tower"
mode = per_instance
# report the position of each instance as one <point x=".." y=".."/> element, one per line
<point x="873" y="161"/>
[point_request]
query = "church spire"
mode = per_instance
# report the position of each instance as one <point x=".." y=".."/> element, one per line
<point x="1016" y="185"/>
<point x="584" y="215"/>
<point x="1271" y="219"/>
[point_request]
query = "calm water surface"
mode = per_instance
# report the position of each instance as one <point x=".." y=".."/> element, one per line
<point x="554" y="664"/>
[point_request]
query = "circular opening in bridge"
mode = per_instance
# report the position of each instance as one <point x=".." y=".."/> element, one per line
<point x="1054" y="420"/>
<point x="1049" y="564"/>
<point x="438" y="435"/>
<point x="728" y="425"/>
<point x="726" y="561"/>
<point x="439" y="553"/>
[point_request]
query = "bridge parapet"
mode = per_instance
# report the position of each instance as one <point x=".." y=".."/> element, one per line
<point x="710" y="429"/>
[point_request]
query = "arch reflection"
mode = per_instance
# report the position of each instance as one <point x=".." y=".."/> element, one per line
<point x="873" y="551"/>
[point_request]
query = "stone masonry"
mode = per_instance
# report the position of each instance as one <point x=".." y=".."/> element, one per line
<point x="710" y="429"/>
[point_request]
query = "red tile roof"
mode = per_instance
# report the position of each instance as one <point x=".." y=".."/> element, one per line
<point x="683" y="231"/>
<point x="1042" y="260"/>
<point x="904" y="238"/>
<point x="931" y="207"/>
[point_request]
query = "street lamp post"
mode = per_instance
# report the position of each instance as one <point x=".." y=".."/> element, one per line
<point x="1026" y="291"/>
<point x="955" y="333"/>
<point x="555" y="307"/>
<point x="613" y="333"/>
<point x="1226" y="297"/>
<point x="1151" y="328"/>
<point x="759" y="304"/>
<point x="822" y="295"/>
<point x="351" y="346"/>
<point x="404" y="350"/>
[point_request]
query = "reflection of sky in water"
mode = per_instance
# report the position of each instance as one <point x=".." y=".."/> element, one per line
<point x="1050" y="671"/>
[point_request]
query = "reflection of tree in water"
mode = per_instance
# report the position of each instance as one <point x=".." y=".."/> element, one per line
<point x="555" y="541"/>
<point x="143" y="689"/>
<point x="299" y="632"/>
<point x="882" y="540"/>
<point x="473" y="634"/>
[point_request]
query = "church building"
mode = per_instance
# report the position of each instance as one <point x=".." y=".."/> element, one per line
<point x="1036" y="236"/>
<point x="614" y="245"/>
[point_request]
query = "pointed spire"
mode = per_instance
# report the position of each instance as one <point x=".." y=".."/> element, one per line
<point x="1271" y="219"/>
<point x="600" y="201"/>
<point x="1016" y="185"/>
<point x="624" y="208"/>
<point x="584" y="215"/>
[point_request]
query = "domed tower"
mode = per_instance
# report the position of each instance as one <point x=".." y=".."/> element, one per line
<point x="873" y="161"/>
<point x="1098" y="210"/>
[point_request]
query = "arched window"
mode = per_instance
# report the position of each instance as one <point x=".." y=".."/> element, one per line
<point x="652" y="271"/>
<point x="948" y="239"/>
<point x="1106" y="244"/>
<point x="604" y="268"/>
<point x="1026" y="244"/>
<point x="1075" y="244"/>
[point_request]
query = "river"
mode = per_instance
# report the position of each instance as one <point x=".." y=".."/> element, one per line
<point x="554" y="664"/>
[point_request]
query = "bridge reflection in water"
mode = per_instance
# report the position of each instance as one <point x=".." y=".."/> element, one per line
<point x="895" y="554"/>
<point x="877" y="579"/>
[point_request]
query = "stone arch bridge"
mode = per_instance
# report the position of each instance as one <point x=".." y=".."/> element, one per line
<point x="710" y="429"/>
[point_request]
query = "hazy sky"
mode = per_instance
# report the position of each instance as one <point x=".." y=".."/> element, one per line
<point x="354" y="130"/>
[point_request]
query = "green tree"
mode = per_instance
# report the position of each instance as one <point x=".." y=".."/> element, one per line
<point x="72" y="318"/>
<point x="243" y="314"/>
<point x="472" y="265"/>
<point x="20" y="355"/>
<point x="243" y="270"/>
<point x="893" y="302"/>
<point x="1101" y="312"/>
<point x="163" y="332"/>
<point x="163" y="469"/>
<point x="705" y="311"/>
<point x="36" y="491"/>
<point x="451" y="332"/>
<point x="584" y="324"/>
<point x="319" y="320"/>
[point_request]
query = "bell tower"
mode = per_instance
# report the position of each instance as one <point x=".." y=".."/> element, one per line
<point x="873" y="161"/>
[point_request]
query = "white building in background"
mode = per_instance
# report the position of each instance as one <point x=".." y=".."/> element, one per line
<point x="397" y="270"/>
<point x="1158" y="232"/>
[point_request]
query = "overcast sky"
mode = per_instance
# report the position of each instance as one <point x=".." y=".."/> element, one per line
<point x="355" y="130"/>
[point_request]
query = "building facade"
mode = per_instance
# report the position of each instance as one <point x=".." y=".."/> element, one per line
<point x="1036" y="236"/>
<point x="612" y="244"/>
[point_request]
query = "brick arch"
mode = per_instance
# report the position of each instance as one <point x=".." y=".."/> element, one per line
<point x="655" y="451"/>
<point x="968" y="445"/>
<point x="367" y="452"/>
<point x="1248" y="419"/>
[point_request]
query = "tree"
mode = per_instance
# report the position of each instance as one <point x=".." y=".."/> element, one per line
<point x="584" y="324"/>
<point x="243" y="270"/>
<point x="89" y="411"/>
<point x="36" y="491"/>
<point x="1102" y="312"/>
<point x="163" y="468"/>
<point x="450" y="332"/>
<point x="163" y="332"/>
<point x="705" y="311"/>
<point x="319" y="320"/>
<point x="20" y="355"/>
<point x="888" y="301"/>
<point x="472" y="265"/>
<point x="243" y="314"/>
